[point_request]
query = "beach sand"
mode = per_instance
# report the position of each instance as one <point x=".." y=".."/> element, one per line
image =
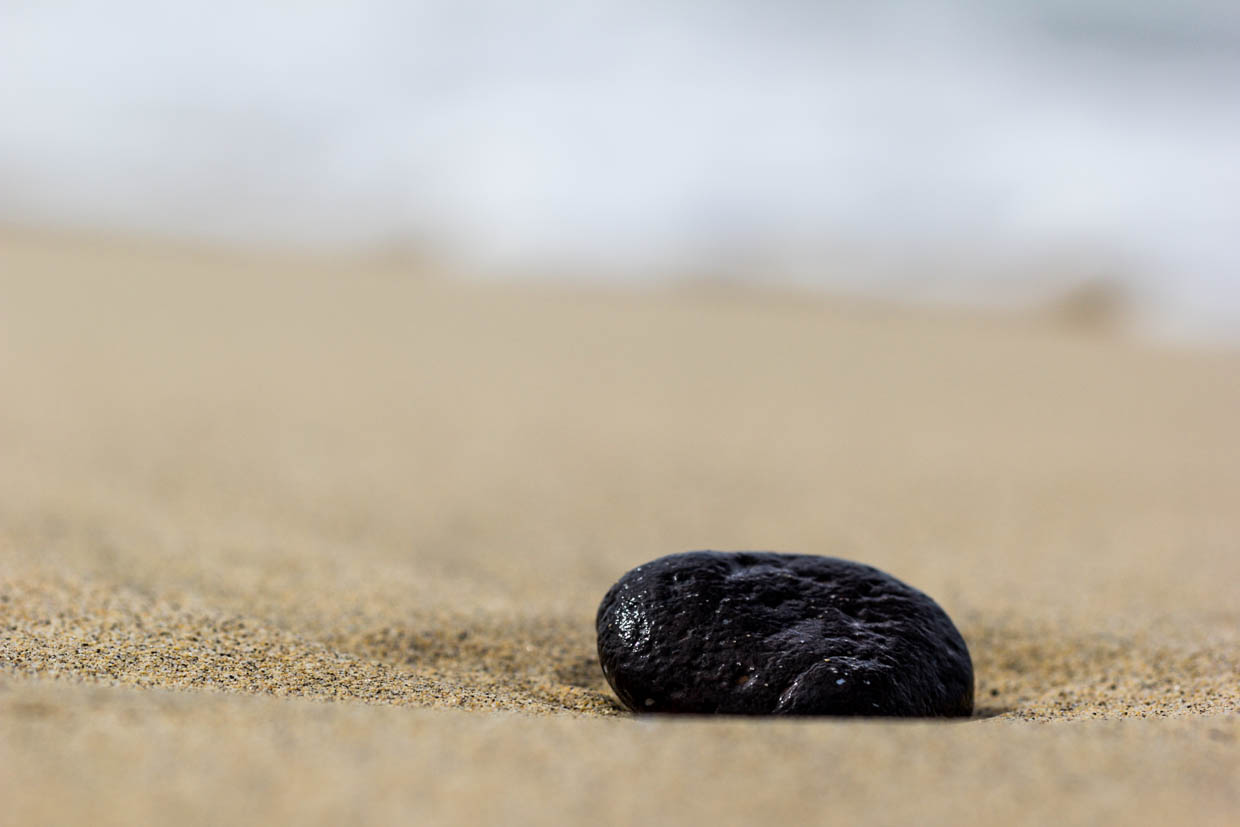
<point x="318" y="540"/>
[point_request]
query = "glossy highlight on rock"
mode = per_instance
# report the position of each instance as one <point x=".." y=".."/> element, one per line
<point x="761" y="633"/>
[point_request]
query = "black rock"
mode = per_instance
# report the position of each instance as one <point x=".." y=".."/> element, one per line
<point x="759" y="633"/>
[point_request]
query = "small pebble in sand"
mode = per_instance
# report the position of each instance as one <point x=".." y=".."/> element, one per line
<point x="760" y="633"/>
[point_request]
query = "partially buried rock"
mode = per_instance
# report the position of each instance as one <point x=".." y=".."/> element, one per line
<point x="759" y="633"/>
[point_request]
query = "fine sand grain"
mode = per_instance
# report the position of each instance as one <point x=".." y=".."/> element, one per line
<point x="321" y="541"/>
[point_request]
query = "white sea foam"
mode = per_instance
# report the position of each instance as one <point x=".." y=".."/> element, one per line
<point x="928" y="148"/>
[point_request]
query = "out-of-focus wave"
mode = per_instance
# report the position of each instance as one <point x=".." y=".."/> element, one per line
<point x="966" y="151"/>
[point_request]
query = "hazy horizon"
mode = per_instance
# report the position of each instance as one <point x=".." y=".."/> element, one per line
<point x="930" y="150"/>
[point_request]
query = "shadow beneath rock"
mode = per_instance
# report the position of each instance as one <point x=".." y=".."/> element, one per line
<point x="1023" y="669"/>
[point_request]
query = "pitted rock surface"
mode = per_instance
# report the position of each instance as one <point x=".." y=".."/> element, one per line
<point x="760" y="633"/>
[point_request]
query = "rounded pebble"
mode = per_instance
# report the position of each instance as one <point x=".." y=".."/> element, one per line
<point x="760" y="633"/>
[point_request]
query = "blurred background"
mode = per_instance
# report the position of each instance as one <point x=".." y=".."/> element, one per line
<point x="997" y="153"/>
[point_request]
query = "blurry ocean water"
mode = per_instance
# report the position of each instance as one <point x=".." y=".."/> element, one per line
<point x="976" y="151"/>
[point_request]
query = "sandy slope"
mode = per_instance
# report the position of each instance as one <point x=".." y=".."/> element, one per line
<point x="331" y="500"/>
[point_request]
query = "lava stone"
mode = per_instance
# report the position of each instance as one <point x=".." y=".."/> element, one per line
<point x="760" y="633"/>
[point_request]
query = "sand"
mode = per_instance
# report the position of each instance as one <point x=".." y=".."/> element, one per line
<point x="289" y="538"/>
